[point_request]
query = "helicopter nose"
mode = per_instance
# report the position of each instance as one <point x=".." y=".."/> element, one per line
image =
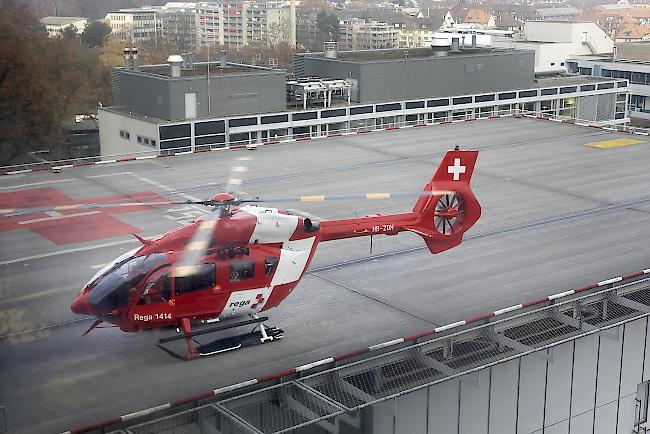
<point x="80" y="305"/>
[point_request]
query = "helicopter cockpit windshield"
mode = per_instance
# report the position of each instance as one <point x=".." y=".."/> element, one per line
<point x="114" y="289"/>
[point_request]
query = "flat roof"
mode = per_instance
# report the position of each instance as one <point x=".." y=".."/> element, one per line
<point x="569" y="80"/>
<point x="201" y="69"/>
<point x="546" y="227"/>
<point x="60" y="21"/>
<point x="399" y="54"/>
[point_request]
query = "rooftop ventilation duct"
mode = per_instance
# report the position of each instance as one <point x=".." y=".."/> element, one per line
<point x="331" y="50"/>
<point x="455" y="45"/>
<point x="188" y="60"/>
<point x="131" y="59"/>
<point x="223" y="58"/>
<point x="175" y="61"/>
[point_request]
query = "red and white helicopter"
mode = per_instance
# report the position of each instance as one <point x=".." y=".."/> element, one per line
<point x="242" y="258"/>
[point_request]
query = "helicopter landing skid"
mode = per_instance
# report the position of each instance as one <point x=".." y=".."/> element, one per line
<point x="259" y="335"/>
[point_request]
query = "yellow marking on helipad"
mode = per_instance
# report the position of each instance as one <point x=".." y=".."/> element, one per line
<point x="615" y="143"/>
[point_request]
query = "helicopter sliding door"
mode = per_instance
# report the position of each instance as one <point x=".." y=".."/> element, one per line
<point x="198" y="294"/>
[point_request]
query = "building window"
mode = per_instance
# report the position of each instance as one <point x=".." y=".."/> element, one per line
<point x="463" y="100"/>
<point x="125" y="135"/>
<point x="139" y="140"/>
<point x="437" y="102"/>
<point x="527" y="93"/>
<point x="360" y="110"/>
<point x="568" y="89"/>
<point x="507" y="95"/>
<point x="484" y="98"/>
<point x="304" y="116"/>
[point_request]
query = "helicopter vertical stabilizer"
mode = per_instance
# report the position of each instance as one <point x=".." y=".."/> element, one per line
<point x="452" y="208"/>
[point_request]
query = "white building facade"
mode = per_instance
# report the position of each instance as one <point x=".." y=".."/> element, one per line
<point x="627" y="65"/>
<point x="554" y="42"/>
<point x="230" y="24"/>
<point x="56" y="25"/>
<point x="135" y="25"/>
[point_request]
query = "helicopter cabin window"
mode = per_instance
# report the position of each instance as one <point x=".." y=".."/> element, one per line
<point x="205" y="277"/>
<point x="270" y="264"/>
<point x="241" y="270"/>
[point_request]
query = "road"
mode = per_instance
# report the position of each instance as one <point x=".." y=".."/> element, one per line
<point x="556" y="214"/>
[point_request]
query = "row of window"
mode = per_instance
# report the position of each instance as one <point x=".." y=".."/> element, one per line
<point x="158" y="288"/>
<point x="146" y="141"/>
<point x="170" y="134"/>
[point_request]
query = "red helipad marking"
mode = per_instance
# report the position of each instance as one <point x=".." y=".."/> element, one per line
<point x="69" y="230"/>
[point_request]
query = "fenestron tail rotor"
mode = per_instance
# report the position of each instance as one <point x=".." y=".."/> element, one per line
<point x="448" y="214"/>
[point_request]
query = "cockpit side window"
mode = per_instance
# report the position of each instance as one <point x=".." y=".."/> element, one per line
<point x="205" y="277"/>
<point x="157" y="289"/>
<point x="115" y="287"/>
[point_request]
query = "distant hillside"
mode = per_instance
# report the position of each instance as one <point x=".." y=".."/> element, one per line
<point x="92" y="9"/>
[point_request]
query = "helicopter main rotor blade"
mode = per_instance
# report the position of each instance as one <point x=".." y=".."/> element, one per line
<point x="367" y="196"/>
<point x="198" y="244"/>
<point x="235" y="179"/>
<point x="12" y="212"/>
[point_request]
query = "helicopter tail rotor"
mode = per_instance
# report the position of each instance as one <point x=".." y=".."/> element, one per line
<point x="444" y="218"/>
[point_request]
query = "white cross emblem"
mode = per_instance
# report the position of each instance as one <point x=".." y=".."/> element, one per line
<point x="456" y="169"/>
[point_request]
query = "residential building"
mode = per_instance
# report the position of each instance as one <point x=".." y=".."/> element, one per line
<point x="191" y="24"/>
<point x="558" y="14"/>
<point x="633" y="33"/>
<point x="554" y="42"/>
<point x="359" y="34"/>
<point x="56" y="25"/>
<point x="479" y="19"/>
<point x="421" y="32"/>
<point x="134" y="25"/>
<point x="631" y="62"/>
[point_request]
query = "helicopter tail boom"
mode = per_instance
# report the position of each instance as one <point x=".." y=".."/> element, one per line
<point x="446" y="209"/>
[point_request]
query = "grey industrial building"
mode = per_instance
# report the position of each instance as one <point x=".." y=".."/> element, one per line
<point x="397" y="74"/>
<point x="229" y="89"/>
<point x="179" y="105"/>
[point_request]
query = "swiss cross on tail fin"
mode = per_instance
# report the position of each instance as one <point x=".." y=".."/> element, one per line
<point x="456" y="166"/>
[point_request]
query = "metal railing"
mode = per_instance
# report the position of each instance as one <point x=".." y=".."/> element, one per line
<point x="377" y="126"/>
<point x="340" y="391"/>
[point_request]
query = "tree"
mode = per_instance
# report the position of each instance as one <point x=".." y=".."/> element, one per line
<point x="69" y="32"/>
<point x="328" y="25"/>
<point x="95" y="34"/>
<point x="42" y="82"/>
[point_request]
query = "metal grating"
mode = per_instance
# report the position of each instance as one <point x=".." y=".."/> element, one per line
<point x="607" y="311"/>
<point x="202" y="420"/>
<point x="281" y="408"/>
<point x="539" y="332"/>
<point x="472" y="353"/>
